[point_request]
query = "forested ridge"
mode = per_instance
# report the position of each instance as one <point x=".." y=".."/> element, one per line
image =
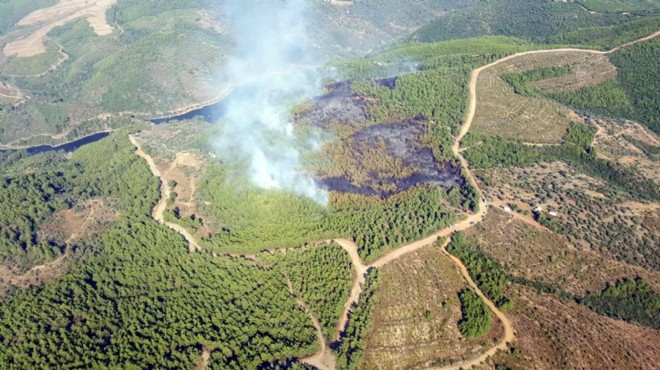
<point x="141" y="300"/>
<point x="321" y="276"/>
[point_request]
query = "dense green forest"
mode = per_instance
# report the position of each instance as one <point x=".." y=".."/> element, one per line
<point x="630" y="300"/>
<point x="254" y="220"/>
<point x="321" y="277"/>
<point x="493" y="151"/>
<point x="139" y="299"/>
<point x="486" y="272"/>
<point x="475" y="319"/>
<point x="609" y="37"/>
<point x="437" y="95"/>
<point x="636" y="65"/>
<point x="520" y="81"/>
<point x="403" y="218"/>
<point x="607" y="99"/>
<point x="25" y="202"/>
<point x="351" y="350"/>
<point x="613" y="6"/>
<point x="457" y="55"/>
<point x="537" y="20"/>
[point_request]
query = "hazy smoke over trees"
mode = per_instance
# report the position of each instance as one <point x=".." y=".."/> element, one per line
<point x="271" y="58"/>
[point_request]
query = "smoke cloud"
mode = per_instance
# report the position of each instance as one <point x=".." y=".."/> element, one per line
<point x="272" y="61"/>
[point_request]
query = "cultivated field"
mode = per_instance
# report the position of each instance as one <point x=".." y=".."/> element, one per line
<point x="416" y="316"/>
<point x="500" y="111"/>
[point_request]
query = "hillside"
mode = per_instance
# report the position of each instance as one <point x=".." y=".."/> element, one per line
<point x="329" y="185"/>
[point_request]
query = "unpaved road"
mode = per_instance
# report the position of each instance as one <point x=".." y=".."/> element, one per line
<point x="165" y="191"/>
<point x="324" y="359"/>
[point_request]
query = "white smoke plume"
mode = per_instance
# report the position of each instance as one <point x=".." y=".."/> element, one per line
<point x="272" y="60"/>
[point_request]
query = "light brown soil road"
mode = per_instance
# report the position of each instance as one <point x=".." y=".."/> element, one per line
<point x="165" y="191"/>
<point x="324" y="360"/>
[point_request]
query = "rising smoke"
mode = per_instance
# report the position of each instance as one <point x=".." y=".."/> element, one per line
<point x="272" y="61"/>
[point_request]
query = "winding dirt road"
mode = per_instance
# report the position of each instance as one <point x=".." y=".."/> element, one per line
<point x="165" y="191"/>
<point x="324" y="360"/>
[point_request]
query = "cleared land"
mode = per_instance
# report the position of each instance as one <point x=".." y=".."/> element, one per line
<point x="10" y="94"/>
<point x="504" y="113"/>
<point x="47" y="19"/>
<point x="415" y="322"/>
<point x="595" y="215"/>
<point x="557" y="333"/>
<point x="548" y="257"/>
<point x="628" y="143"/>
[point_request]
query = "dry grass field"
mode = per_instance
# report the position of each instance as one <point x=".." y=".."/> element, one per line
<point x="40" y="22"/>
<point x="555" y="333"/>
<point x="550" y="258"/>
<point x="415" y="320"/>
<point x="630" y="144"/>
<point x="10" y="94"/>
<point x="500" y="111"/>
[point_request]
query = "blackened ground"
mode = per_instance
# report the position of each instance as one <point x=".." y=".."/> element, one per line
<point x="403" y="141"/>
<point x="338" y="105"/>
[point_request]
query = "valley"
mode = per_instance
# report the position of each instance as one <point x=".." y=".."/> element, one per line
<point x="483" y="197"/>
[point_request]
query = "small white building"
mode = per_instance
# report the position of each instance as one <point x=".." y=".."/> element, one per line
<point x="507" y="209"/>
<point x="553" y="214"/>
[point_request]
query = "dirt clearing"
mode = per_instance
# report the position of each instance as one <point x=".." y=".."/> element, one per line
<point x="531" y="119"/>
<point x="10" y="94"/>
<point x="415" y="322"/>
<point x="45" y="20"/>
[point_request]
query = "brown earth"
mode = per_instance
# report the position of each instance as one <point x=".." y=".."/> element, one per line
<point x="548" y="257"/>
<point x="555" y="333"/>
<point x="424" y="282"/>
<point x="45" y="20"/>
<point x="595" y="215"/>
<point x="504" y="113"/>
<point x="11" y="94"/>
<point x="81" y="223"/>
<point x="627" y="143"/>
<point x="36" y="276"/>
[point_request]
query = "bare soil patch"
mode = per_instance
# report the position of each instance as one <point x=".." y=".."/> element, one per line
<point x="415" y="321"/>
<point x="47" y="19"/>
<point x="80" y="223"/>
<point x="10" y="94"/>
<point x="587" y="69"/>
<point x="595" y="215"/>
<point x="555" y="333"/>
<point x="548" y="257"/>
<point x="504" y="113"/>
<point x="629" y="143"/>
<point x="36" y="276"/>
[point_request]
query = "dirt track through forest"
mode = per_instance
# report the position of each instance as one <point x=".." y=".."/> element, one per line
<point x="165" y="191"/>
<point x="324" y="359"/>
